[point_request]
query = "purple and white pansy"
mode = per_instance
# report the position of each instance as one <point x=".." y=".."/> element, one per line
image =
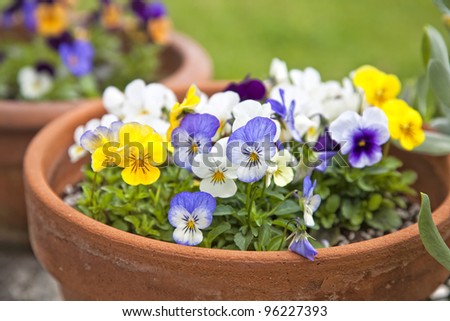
<point x="189" y="213"/>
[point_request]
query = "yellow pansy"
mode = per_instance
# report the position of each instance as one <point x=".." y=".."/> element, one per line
<point x="378" y="86"/>
<point x="51" y="19"/>
<point x="141" y="150"/>
<point x="405" y="123"/>
<point x="178" y="111"/>
<point x="111" y="15"/>
<point x="159" y="30"/>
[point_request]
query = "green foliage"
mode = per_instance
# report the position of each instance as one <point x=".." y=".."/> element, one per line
<point x="430" y="236"/>
<point x="355" y="198"/>
<point x="117" y="62"/>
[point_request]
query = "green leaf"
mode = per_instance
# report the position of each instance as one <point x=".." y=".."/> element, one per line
<point x="275" y="194"/>
<point x="434" y="47"/>
<point x="385" y="219"/>
<point x="121" y="225"/>
<point x="288" y="207"/>
<point x="350" y="208"/>
<point x="435" y="144"/>
<point x="215" y="232"/>
<point x="242" y="242"/>
<point x="264" y="235"/>
<point x="441" y="124"/>
<point x="275" y="243"/>
<point x="222" y="210"/>
<point x="375" y="202"/>
<point x="439" y="74"/>
<point x="440" y="4"/>
<point x="430" y="236"/>
<point x="426" y="109"/>
<point x="332" y="203"/>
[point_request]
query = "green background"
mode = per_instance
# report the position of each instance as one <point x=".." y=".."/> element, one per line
<point x="334" y="36"/>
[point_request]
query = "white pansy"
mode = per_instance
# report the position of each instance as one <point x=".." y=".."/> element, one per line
<point x="76" y="152"/>
<point x="216" y="171"/>
<point x="141" y="103"/>
<point x="279" y="169"/>
<point x="279" y="71"/>
<point x="34" y="84"/>
<point x="340" y="98"/>
<point x="250" y="109"/>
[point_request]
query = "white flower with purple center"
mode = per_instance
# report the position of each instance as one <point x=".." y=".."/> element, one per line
<point x="311" y="201"/>
<point x="192" y="137"/>
<point x="361" y="137"/>
<point x="189" y="213"/>
<point x="217" y="172"/>
<point x="252" y="147"/>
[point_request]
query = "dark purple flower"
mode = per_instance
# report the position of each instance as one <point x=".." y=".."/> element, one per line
<point x="361" y="137"/>
<point x="325" y="148"/>
<point x="55" y="42"/>
<point x="248" y="89"/>
<point x="156" y="10"/>
<point x="77" y="56"/>
<point x="301" y="246"/>
<point x="146" y="11"/>
<point x="43" y="66"/>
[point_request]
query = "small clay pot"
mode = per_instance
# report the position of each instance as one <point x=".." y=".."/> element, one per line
<point x="93" y="261"/>
<point x="183" y="61"/>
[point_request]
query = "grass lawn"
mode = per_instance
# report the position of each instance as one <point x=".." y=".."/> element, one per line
<point x="334" y="36"/>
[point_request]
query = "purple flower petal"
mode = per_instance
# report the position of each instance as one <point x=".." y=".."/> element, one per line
<point x="77" y="57"/>
<point x="204" y="124"/>
<point x="301" y="246"/>
<point x="191" y="201"/>
<point x="248" y="89"/>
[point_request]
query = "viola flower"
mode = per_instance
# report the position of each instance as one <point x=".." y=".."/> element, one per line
<point x="51" y="19"/>
<point x="286" y="114"/>
<point x="141" y="103"/>
<point x="33" y="83"/>
<point x="189" y="213"/>
<point x="110" y="15"/>
<point x="279" y="73"/>
<point x="216" y="172"/>
<point x="248" y="89"/>
<point x="405" y="123"/>
<point x="361" y="136"/>
<point x="310" y="201"/>
<point x="251" y="147"/>
<point x="141" y="150"/>
<point x="301" y="245"/>
<point x="193" y="137"/>
<point x="279" y="169"/>
<point x="325" y="148"/>
<point x="187" y="106"/>
<point x="77" y="56"/>
<point x="55" y="42"/>
<point x="220" y="105"/>
<point x="378" y="86"/>
<point x="159" y="30"/>
<point x="9" y="11"/>
<point x="29" y="17"/>
<point x="76" y="152"/>
<point x="250" y="109"/>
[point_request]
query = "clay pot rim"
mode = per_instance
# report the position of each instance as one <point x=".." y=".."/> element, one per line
<point x="37" y="182"/>
<point x="193" y="60"/>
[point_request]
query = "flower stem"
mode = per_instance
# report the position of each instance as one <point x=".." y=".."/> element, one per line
<point x="280" y="203"/>
<point x="386" y="149"/>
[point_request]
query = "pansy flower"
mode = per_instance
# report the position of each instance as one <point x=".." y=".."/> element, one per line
<point x="405" y="123"/>
<point x="300" y="243"/>
<point x="378" y="86"/>
<point x="141" y="151"/>
<point x="216" y="171"/>
<point x="77" y="56"/>
<point x="103" y="143"/>
<point x="325" y="149"/>
<point x="51" y="18"/>
<point x="110" y="15"/>
<point x="310" y="201"/>
<point x="278" y="72"/>
<point x="280" y="169"/>
<point x="159" y="30"/>
<point x="76" y="152"/>
<point x="189" y="213"/>
<point x="192" y="137"/>
<point x="249" y="88"/>
<point x="252" y="147"/>
<point x="361" y="137"/>
<point x="34" y="83"/>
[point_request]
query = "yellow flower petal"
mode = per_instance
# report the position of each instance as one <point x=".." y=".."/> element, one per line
<point x="378" y="86"/>
<point x="134" y="133"/>
<point x="105" y="156"/>
<point x="51" y="19"/>
<point x="137" y="176"/>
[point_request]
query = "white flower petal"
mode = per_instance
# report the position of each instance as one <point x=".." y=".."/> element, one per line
<point x="187" y="237"/>
<point x="279" y="71"/>
<point x="283" y="176"/>
<point x="224" y="190"/>
<point x="113" y="100"/>
<point x="134" y="93"/>
<point x="76" y="152"/>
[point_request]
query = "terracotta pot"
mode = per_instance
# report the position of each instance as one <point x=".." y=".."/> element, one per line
<point x="91" y="260"/>
<point x="183" y="61"/>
